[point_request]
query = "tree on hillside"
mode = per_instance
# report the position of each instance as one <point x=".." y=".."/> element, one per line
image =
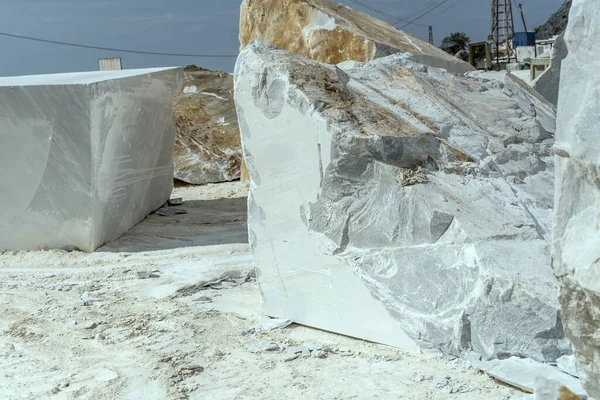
<point x="456" y="44"/>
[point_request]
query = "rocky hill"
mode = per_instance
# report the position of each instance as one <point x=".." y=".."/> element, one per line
<point x="556" y="24"/>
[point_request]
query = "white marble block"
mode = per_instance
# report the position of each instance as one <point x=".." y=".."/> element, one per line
<point x="576" y="248"/>
<point x="83" y="156"/>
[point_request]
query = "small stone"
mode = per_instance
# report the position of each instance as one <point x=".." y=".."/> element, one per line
<point x="203" y="299"/>
<point x="300" y="349"/>
<point x="191" y="369"/>
<point x="263" y="346"/>
<point x="291" y="357"/>
<point x="568" y="364"/>
<point x="90" y="325"/>
<point x="315" y="346"/>
<point x="319" y="354"/>
<point x="83" y="303"/>
<point x="148" y="274"/>
<point x="440" y="383"/>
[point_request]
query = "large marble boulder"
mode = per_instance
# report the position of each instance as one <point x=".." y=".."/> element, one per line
<point x="576" y="251"/>
<point x="84" y="157"/>
<point x="400" y="203"/>
<point x="207" y="144"/>
<point x="332" y="33"/>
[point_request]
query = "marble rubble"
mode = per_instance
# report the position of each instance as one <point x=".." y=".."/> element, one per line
<point x="84" y="156"/>
<point x="329" y="32"/>
<point x="207" y="141"/>
<point x="576" y="247"/>
<point x="391" y="201"/>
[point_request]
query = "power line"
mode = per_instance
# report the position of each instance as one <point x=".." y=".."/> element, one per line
<point x="415" y="13"/>
<point x="449" y="7"/>
<point x="424" y="14"/>
<point x="368" y="7"/>
<point x="85" y="46"/>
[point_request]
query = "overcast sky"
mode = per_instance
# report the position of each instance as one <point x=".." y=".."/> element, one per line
<point x="188" y="26"/>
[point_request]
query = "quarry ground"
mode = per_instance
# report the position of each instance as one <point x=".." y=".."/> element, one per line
<point x="150" y="317"/>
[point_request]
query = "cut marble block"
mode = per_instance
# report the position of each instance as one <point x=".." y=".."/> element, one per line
<point x="84" y="156"/>
<point x="401" y="204"/>
<point x="576" y="248"/>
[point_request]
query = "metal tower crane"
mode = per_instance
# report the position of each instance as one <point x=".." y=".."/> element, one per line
<point x="502" y="30"/>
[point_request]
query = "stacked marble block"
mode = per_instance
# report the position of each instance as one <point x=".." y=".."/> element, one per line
<point x="84" y="156"/>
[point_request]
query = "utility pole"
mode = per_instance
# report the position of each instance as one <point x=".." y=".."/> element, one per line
<point x="502" y="29"/>
<point x="430" y="35"/>
<point x="523" y="17"/>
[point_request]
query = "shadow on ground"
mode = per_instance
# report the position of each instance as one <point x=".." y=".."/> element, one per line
<point x="207" y="223"/>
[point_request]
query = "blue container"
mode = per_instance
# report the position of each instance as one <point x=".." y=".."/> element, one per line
<point x="524" y="39"/>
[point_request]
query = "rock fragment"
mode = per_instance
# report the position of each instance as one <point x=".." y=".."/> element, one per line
<point x="332" y="33"/>
<point x="207" y="143"/>
<point x="258" y="347"/>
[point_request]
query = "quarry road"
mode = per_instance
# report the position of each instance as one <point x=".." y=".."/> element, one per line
<point x="159" y="314"/>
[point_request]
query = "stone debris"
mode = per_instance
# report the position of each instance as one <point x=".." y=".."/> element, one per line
<point x="459" y="261"/>
<point x="332" y="33"/>
<point x="175" y="202"/>
<point x="523" y="373"/>
<point x="227" y="280"/>
<point x="448" y="385"/>
<point x="420" y="378"/>
<point x="203" y="299"/>
<point x="576" y="247"/>
<point x="568" y="364"/>
<point x="170" y="211"/>
<point x="312" y="350"/>
<point x="148" y="274"/>
<point x="546" y="389"/>
<point x="191" y="369"/>
<point x="268" y="324"/>
<point x="81" y="175"/>
<point x="90" y="325"/>
<point x="305" y="351"/>
<point x="85" y="300"/>
<point x="291" y="357"/>
<point x="259" y="347"/>
<point x="318" y="354"/>
<point x="207" y="143"/>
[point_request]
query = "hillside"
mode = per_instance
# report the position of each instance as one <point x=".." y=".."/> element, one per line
<point x="556" y="24"/>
